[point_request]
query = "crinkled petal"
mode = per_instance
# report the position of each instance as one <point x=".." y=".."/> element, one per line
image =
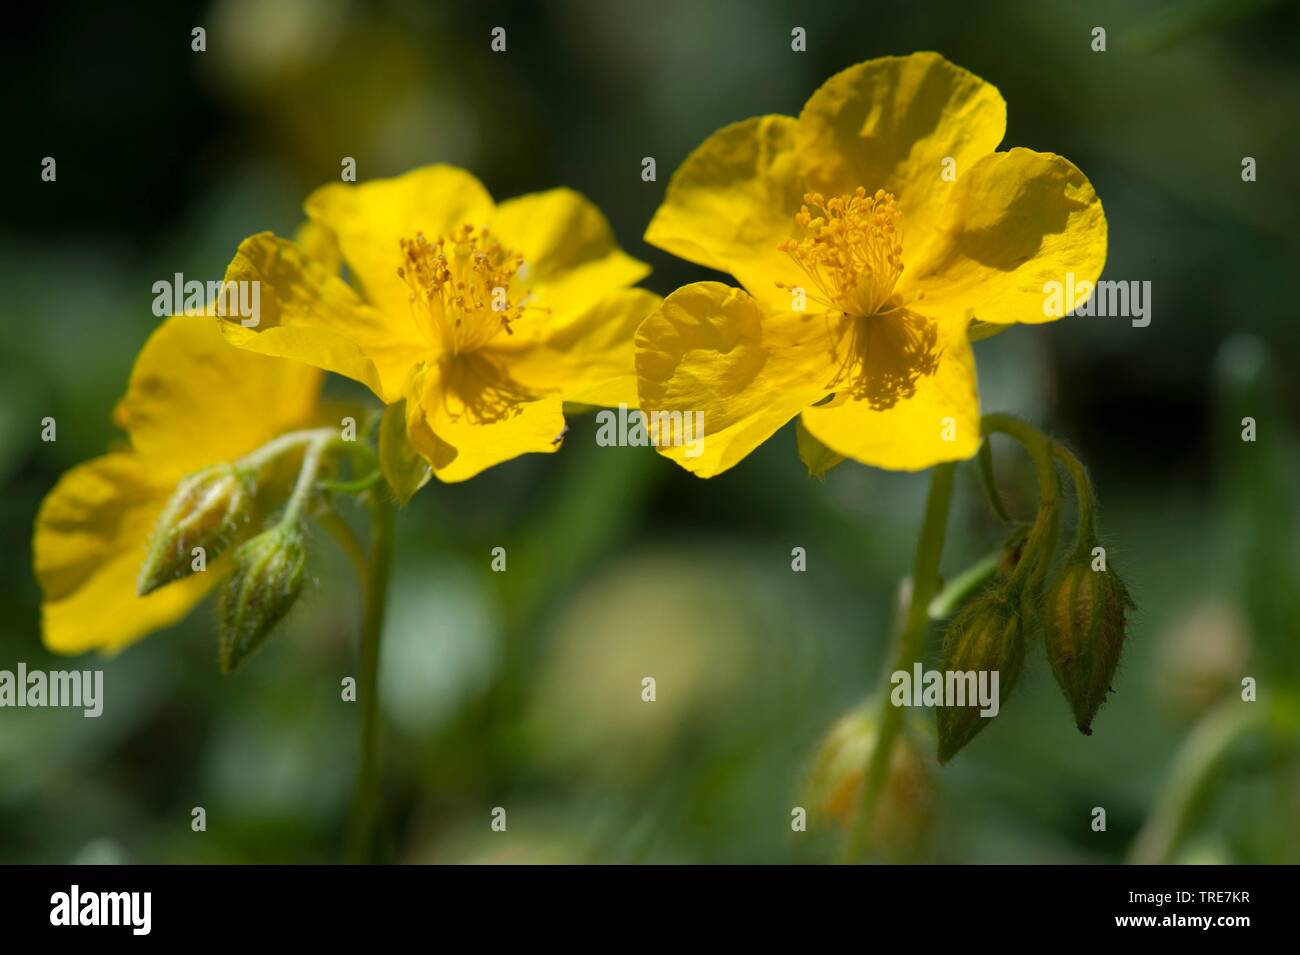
<point x="319" y="244"/>
<point x="891" y="123"/>
<point x="571" y="258"/>
<point x="194" y="399"/>
<point x="711" y="349"/>
<point x="370" y="220"/>
<point x="92" y="534"/>
<point x="1018" y="220"/>
<point x="312" y="316"/>
<point x="733" y="202"/>
<point x="471" y="406"/>
<point x="908" y="397"/>
<point x="591" y="359"/>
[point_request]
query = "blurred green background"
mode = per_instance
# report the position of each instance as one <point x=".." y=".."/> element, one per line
<point x="522" y="689"/>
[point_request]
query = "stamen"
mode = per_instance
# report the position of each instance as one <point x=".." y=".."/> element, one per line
<point x="460" y="286"/>
<point x="852" y="249"/>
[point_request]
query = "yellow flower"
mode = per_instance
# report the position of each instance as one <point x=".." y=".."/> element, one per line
<point x="193" y="401"/>
<point x="885" y="208"/>
<point x="485" y="318"/>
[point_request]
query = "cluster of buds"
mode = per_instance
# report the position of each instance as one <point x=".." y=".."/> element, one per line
<point x="216" y="509"/>
<point x="1078" y="603"/>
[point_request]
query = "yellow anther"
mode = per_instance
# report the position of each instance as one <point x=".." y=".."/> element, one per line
<point x="461" y="286"/>
<point x="852" y="249"/>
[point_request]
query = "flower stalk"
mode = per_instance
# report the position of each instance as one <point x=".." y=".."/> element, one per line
<point x="911" y="644"/>
<point x="365" y="812"/>
<point x="1086" y="531"/>
<point x="1036" y="556"/>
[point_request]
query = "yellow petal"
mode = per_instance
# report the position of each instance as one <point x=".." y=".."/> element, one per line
<point x="570" y="256"/>
<point x="890" y="124"/>
<point x="1018" y="220"/>
<point x="909" y="398"/>
<point x="91" y="536"/>
<point x="319" y="245"/>
<point x="733" y="201"/>
<point x="589" y="360"/>
<point x="472" y="407"/>
<point x="711" y="349"/>
<point x="194" y="399"/>
<point x="370" y="220"/>
<point x="436" y="451"/>
<point x="312" y="316"/>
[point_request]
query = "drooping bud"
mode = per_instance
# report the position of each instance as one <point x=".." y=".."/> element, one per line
<point x="986" y="638"/>
<point x="832" y="792"/>
<point x="205" y="511"/>
<point x="1085" y="634"/>
<point x="267" y="580"/>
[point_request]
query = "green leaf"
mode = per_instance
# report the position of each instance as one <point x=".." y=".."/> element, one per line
<point x="816" y="457"/>
<point x="403" y="467"/>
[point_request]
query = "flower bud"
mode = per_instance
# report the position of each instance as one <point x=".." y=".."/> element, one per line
<point x="833" y="790"/>
<point x="206" y="510"/>
<point x="267" y="580"/>
<point x="986" y="637"/>
<point x="1084" y="621"/>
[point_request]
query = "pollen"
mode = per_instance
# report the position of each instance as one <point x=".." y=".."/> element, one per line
<point x="851" y="249"/>
<point x="461" y="287"/>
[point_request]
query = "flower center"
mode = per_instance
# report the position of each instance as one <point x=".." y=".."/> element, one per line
<point x="852" y="249"/>
<point x="460" y="287"/>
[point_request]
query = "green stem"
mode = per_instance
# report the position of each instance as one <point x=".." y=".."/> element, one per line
<point x="990" y="484"/>
<point x="911" y="645"/>
<point x="255" y="460"/>
<point x="353" y="487"/>
<point x="1032" y="567"/>
<point x="306" y="484"/>
<point x="365" y="811"/>
<point x="1086" y="532"/>
<point x="964" y="586"/>
<point x="316" y="443"/>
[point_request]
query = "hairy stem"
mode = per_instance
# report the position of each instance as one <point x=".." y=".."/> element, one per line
<point x="1035" y="559"/>
<point x="990" y="484"/>
<point x="268" y="452"/>
<point x="1086" y="531"/>
<point x="305" y="486"/>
